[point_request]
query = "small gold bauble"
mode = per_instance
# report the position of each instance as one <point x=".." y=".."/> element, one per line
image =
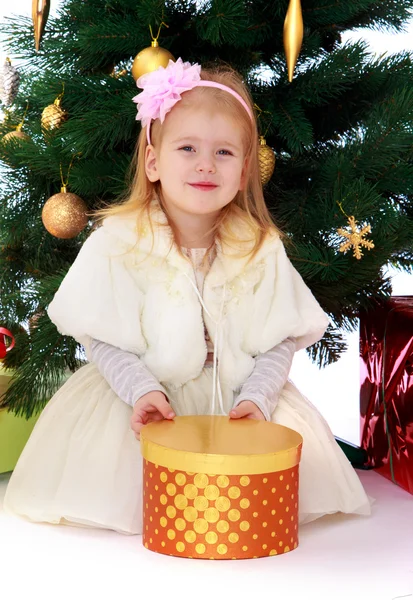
<point x="16" y="135"/>
<point x="64" y="215"/>
<point x="53" y="115"/>
<point x="266" y="159"/>
<point x="149" y="59"/>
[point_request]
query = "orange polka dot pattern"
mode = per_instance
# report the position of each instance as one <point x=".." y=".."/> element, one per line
<point x="194" y="515"/>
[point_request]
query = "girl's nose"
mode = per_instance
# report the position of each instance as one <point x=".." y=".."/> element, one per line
<point x="205" y="165"/>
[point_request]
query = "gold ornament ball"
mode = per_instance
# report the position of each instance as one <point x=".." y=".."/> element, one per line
<point x="266" y="158"/>
<point x="53" y="115"/>
<point x="149" y="59"/>
<point x="16" y="136"/>
<point x="64" y="215"/>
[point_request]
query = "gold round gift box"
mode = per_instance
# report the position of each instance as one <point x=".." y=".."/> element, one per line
<point x="216" y="488"/>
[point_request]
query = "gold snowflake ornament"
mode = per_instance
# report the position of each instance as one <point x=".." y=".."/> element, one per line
<point x="355" y="238"/>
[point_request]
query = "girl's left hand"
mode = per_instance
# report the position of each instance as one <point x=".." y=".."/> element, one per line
<point x="247" y="410"/>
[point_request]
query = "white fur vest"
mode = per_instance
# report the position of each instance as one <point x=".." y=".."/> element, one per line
<point x="134" y="291"/>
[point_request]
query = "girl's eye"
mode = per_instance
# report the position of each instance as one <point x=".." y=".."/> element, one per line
<point x="192" y="149"/>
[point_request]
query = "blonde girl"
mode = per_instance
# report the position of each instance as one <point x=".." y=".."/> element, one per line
<point x="186" y="303"/>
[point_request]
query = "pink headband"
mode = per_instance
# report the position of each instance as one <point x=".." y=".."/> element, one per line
<point x="162" y="89"/>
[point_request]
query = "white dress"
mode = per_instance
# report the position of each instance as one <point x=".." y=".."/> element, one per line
<point x="82" y="463"/>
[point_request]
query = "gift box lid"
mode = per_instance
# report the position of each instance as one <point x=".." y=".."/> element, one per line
<point x="219" y="445"/>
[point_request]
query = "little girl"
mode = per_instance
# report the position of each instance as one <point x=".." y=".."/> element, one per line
<point x="186" y="303"/>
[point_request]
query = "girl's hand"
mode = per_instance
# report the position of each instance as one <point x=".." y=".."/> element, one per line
<point x="247" y="410"/>
<point x="150" y="407"/>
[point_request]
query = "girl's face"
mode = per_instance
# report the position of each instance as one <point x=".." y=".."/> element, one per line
<point x="200" y="161"/>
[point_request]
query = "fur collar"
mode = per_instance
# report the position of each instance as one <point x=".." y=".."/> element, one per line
<point x="158" y="243"/>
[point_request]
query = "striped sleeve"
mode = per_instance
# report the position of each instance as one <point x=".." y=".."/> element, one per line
<point x="269" y="376"/>
<point x="126" y="374"/>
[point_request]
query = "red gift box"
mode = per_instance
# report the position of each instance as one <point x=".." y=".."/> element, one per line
<point x="4" y="348"/>
<point x="386" y="395"/>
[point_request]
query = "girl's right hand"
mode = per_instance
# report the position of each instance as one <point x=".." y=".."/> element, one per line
<point x="150" y="407"/>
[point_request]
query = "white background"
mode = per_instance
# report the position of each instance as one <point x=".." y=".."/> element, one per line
<point x="335" y="389"/>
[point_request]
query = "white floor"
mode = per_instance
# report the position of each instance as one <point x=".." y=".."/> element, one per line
<point x="338" y="558"/>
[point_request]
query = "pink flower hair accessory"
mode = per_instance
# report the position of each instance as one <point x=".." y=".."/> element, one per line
<point x="162" y="89"/>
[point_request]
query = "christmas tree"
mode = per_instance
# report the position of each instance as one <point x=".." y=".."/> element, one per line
<point x="341" y="132"/>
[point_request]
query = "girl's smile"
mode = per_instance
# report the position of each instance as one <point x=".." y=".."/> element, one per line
<point x="204" y="186"/>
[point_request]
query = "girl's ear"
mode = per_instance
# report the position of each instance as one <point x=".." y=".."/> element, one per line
<point x="151" y="164"/>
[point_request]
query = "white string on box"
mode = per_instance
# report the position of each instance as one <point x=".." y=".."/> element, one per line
<point x="217" y="347"/>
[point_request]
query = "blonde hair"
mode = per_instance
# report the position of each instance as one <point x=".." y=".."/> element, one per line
<point x="247" y="209"/>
